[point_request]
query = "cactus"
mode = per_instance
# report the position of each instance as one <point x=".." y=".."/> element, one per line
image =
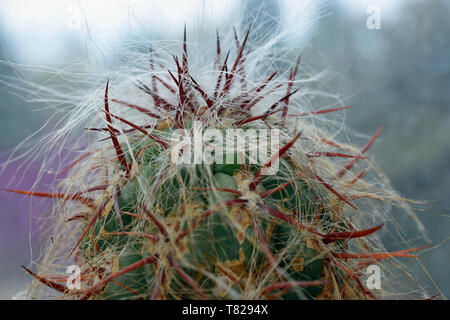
<point x="141" y="226"/>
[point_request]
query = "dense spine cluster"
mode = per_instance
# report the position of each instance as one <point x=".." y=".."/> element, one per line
<point x="143" y="227"/>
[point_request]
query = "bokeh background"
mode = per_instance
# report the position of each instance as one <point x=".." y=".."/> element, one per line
<point x="397" y="76"/>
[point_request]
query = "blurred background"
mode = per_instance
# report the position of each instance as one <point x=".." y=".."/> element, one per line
<point x="395" y="74"/>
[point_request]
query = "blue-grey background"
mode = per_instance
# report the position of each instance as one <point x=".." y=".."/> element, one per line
<point x="398" y="76"/>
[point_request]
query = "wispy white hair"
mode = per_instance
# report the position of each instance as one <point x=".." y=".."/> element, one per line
<point x="280" y="29"/>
